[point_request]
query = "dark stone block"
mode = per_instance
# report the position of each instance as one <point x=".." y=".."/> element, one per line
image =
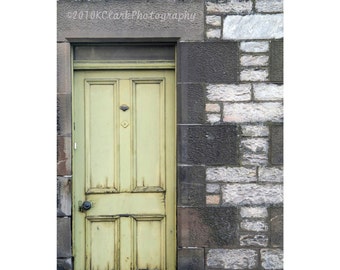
<point x="64" y="155"/>
<point x="191" y="183"/>
<point x="207" y="227"/>
<point x="276" y="227"/>
<point x="276" y="144"/>
<point x="209" y="145"/>
<point x="64" y="237"/>
<point x="190" y="259"/>
<point x="64" y="195"/>
<point x="190" y="104"/>
<point x="64" y="264"/>
<point x="64" y="114"/>
<point x="63" y="68"/>
<point x="276" y="61"/>
<point x="209" y="62"/>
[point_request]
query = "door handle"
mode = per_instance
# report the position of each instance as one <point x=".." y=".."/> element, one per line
<point x="124" y="107"/>
<point x="84" y="206"/>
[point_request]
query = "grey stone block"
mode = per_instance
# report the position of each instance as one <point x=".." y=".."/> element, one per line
<point x="276" y="61"/>
<point x="64" y="195"/>
<point x="190" y="259"/>
<point x="276" y="226"/>
<point x="64" y="114"/>
<point x="276" y="144"/>
<point x="232" y="259"/>
<point x="64" y="237"/>
<point x="64" y="157"/>
<point x="64" y="264"/>
<point x="64" y="68"/>
<point x="209" y="62"/>
<point x="209" y="145"/>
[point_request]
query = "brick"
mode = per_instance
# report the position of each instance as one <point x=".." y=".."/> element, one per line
<point x="253" y="27"/>
<point x="276" y="145"/>
<point x="64" y="114"/>
<point x="254" y="60"/>
<point x="230" y="7"/>
<point x="229" y="92"/>
<point x="231" y="174"/>
<point x="272" y="258"/>
<point x="64" y="237"/>
<point x="256" y="226"/>
<point x="254" y="151"/>
<point x="213" y="20"/>
<point x="251" y="194"/>
<point x="253" y="212"/>
<point x="232" y="258"/>
<point x="207" y="226"/>
<point x="254" y="131"/>
<point x="64" y="196"/>
<point x="213" y="118"/>
<point x="213" y="199"/>
<point x="254" y="46"/>
<point x="276" y="226"/>
<point x="266" y="92"/>
<point x="64" y="264"/>
<point x="64" y="155"/>
<point x="269" y="5"/>
<point x="254" y="75"/>
<point x="64" y="68"/>
<point x="276" y="61"/>
<point x="253" y="112"/>
<point x="211" y="107"/>
<point x="213" y="188"/>
<point x="258" y="240"/>
<point x="206" y="144"/>
<point x="213" y="33"/>
<point x="191" y="182"/>
<point x="270" y="174"/>
<point x="190" y="259"/>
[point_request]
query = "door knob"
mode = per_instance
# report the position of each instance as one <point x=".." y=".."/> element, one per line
<point x="85" y="206"/>
<point x="124" y="107"/>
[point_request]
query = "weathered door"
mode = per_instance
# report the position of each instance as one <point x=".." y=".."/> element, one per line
<point x="124" y="170"/>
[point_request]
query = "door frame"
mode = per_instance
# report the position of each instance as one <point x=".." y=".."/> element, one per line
<point x="124" y="65"/>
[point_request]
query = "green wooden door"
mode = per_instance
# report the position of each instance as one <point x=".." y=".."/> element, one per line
<point x="124" y="166"/>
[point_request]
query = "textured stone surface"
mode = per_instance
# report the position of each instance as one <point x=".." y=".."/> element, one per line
<point x="210" y="62"/>
<point x="213" y="188"/>
<point x="209" y="145"/>
<point x="213" y="20"/>
<point x="253" y="112"/>
<point x="213" y="199"/>
<point x="258" y="240"/>
<point x="64" y="264"/>
<point x="254" y="75"/>
<point x="276" y="61"/>
<point x="254" y="225"/>
<point x="63" y="68"/>
<point x="254" y="131"/>
<point x="272" y="258"/>
<point x="64" y="195"/>
<point x="253" y="27"/>
<point x="254" y="46"/>
<point x="64" y="114"/>
<point x="213" y="33"/>
<point x="232" y="258"/>
<point x="254" y="151"/>
<point x="213" y="118"/>
<point x="210" y="107"/>
<point x="264" y="91"/>
<point x="276" y="226"/>
<point x="190" y="104"/>
<point x="254" y="60"/>
<point x="230" y="7"/>
<point x="135" y="19"/>
<point x="64" y="237"/>
<point x="190" y="259"/>
<point x="276" y="144"/>
<point x="269" y="5"/>
<point x="204" y="227"/>
<point x="229" y="92"/>
<point x="64" y="155"/>
<point x="231" y="174"/>
<point x="253" y="212"/>
<point x="251" y="194"/>
<point x="270" y="174"/>
<point x="191" y="182"/>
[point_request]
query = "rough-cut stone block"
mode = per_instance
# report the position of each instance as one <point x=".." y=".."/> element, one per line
<point x="211" y="107"/>
<point x="254" y="75"/>
<point x="254" y="46"/>
<point x="191" y="182"/>
<point x="276" y="226"/>
<point x="229" y="92"/>
<point x="270" y="174"/>
<point x="213" y="188"/>
<point x="254" y="151"/>
<point x="231" y="174"/>
<point x="213" y="33"/>
<point x="207" y="226"/>
<point x="64" y="155"/>
<point x="213" y="199"/>
<point x="190" y="104"/>
<point x="276" y="144"/>
<point x="251" y="194"/>
<point x="254" y="225"/>
<point x="232" y="258"/>
<point x="206" y="144"/>
<point x="190" y="259"/>
<point x="208" y="62"/>
<point x="64" y="237"/>
<point x="269" y="5"/>
<point x="254" y="131"/>
<point x="272" y="258"/>
<point x="213" y="20"/>
<point x="254" y="60"/>
<point x="64" y="114"/>
<point x="265" y="92"/>
<point x="213" y="118"/>
<point x="64" y="68"/>
<point x="64" y="195"/>
<point x="230" y="7"/>
<point x="253" y="112"/>
<point x="258" y="240"/>
<point x="253" y="212"/>
<point x="253" y="27"/>
<point x="276" y="61"/>
<point x="64" y="264"/>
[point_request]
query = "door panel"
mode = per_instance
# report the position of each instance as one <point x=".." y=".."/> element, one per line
<point x="124" y="164"/>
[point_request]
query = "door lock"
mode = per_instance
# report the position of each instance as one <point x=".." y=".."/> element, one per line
<point x="84" y="206"/>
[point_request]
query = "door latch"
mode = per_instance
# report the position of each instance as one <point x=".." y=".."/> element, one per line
<point x="84" y="206"/>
